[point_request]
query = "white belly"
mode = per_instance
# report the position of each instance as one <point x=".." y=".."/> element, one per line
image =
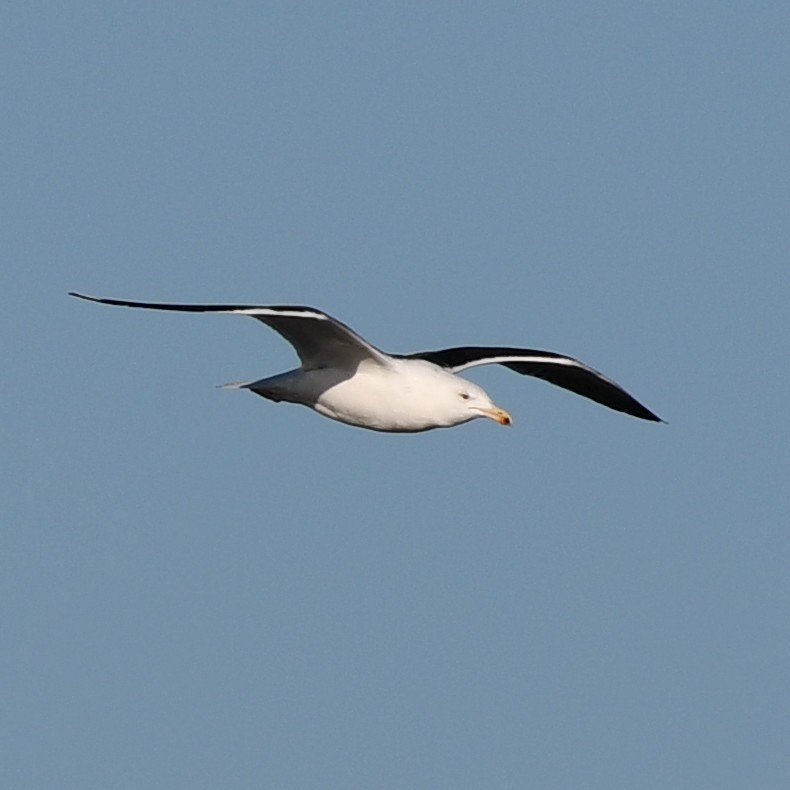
<point x="383" y="400"/>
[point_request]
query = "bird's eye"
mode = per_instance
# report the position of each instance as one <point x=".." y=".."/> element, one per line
<point x="465" y="395"/>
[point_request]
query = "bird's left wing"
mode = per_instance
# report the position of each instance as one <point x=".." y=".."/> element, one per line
<point x="558" y="369"/>
<point x="319" y="340"/>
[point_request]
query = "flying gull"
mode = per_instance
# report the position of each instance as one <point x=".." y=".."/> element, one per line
<point x="344" y="377"/>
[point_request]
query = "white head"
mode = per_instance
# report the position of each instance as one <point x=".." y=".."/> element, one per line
<point x="475" y="399"/>
<point x="464" y="400"/>
<point x="418" y="396"/>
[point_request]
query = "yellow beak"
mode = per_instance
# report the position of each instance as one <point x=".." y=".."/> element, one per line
<point x="500" y="415"/>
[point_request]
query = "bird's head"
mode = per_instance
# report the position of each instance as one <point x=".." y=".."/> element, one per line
<point x="475" y="402"/>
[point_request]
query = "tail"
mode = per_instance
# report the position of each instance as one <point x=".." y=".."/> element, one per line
<point x="266" y="388"/>
<point x="236" y="385"/>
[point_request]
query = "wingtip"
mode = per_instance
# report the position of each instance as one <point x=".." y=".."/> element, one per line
<point x="648" y="415"/>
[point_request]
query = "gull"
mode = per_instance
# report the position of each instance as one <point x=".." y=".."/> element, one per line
<point x="345" y="378"/>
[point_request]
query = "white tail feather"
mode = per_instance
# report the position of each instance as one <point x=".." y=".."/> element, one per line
<point x="235" y="385"/>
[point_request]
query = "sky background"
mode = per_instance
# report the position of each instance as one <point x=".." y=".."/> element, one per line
<point x="201" y="589"/>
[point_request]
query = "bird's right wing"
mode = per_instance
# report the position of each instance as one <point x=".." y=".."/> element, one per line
<point x="319" y="340"/>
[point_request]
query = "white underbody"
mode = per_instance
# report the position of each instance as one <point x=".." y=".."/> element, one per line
<point x="406" y="396"/>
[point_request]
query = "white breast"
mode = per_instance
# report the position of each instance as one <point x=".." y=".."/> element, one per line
<point x="412" y="395"/>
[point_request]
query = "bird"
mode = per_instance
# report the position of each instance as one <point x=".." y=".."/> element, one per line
<point x="343" y="377"/>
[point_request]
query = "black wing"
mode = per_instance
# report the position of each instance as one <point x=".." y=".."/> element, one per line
<point x="319" y="339"/>
<point x="558" y="369"/>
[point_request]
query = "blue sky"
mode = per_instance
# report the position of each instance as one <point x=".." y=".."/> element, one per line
<point x="203" y="589"/>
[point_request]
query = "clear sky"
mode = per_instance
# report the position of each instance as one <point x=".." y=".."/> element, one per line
<point x="202" y="589"/>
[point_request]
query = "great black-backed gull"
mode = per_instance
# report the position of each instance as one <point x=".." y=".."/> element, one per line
<point x="345" y="378"/>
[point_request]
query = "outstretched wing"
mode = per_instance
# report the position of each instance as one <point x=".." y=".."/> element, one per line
<point x="319" y="340"/>
<point x="565" y="372"/>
